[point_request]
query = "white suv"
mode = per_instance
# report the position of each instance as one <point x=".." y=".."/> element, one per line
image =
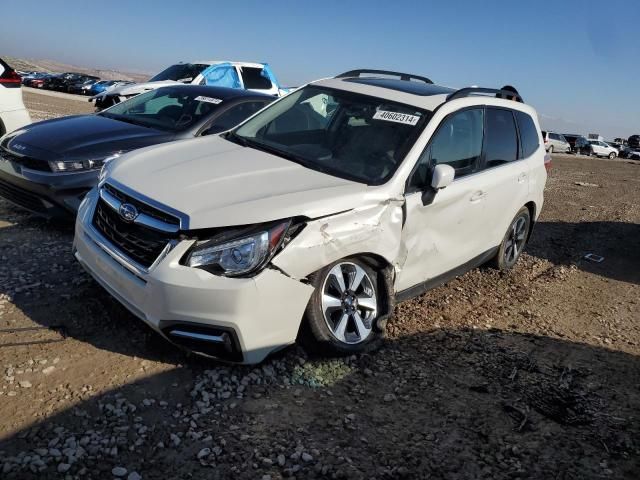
<point x="602" y="149"/>
<point x="13" y="113"/>
<point x="312" y="218"/>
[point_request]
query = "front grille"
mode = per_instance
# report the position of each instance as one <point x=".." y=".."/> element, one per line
<point x="142" y="207"/>
<point x="21" y="197"/>
<point x="28" y="162"/>
<point x="140" y="243"/>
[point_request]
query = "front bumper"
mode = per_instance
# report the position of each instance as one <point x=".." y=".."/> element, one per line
<point x="52" y="195"/>
<point x="235" y="319"/>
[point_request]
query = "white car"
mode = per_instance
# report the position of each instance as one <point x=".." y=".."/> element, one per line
<point x="602" y="149"/>
<point x="257" y="77"/>
<point x="315" y="216"/>
<point x="13" y="113"/>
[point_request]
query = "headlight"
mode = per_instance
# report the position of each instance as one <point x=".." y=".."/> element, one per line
<point x="239" y="256"/>
<point x="79" y="165"/>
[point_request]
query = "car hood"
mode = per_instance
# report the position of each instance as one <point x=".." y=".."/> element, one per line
<point x="137" y="88"/>
<point x="217" y="183"/>
<point x="82" y="137"/>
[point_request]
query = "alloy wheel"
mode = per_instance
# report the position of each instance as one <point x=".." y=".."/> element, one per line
<point x="515" y="241"/>
<point x="349" y="302"/>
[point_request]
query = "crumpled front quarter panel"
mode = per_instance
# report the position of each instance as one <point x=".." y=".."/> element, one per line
<point x="375" y="229"/>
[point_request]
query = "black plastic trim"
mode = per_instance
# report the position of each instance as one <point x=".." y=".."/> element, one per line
<point x="470" y="91"/>
<point x="421" y="288"/>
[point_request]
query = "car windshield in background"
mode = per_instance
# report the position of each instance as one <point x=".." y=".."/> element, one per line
<point x="171" y="109"/>
<point x="182" y="72"/>
<point x="348" y="135"/>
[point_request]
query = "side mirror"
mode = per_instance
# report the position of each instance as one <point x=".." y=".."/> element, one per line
<point x="442" y="176"/>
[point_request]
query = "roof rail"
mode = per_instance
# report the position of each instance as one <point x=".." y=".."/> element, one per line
<point x="469" y="91"/>
<point x="403" y="76"/>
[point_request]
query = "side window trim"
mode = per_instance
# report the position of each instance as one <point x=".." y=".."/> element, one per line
<point x="410" y="189"/>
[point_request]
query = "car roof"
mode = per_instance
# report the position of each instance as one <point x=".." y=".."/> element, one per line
<point x="222" y="93"/>
<point x="217" y="62"/>
<point x="417" y="93"/>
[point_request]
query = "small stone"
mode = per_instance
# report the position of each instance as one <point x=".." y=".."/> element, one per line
<point x="25" y="384"/>
<point x="306" y="457"/>
<point x="48" y="370"/>
<point x="119" y="471"/>
<point x="134" y="476"/>
<point x="175" y="439"/>
<point x="204" y="453"/>
<point x="63" y="467"/>
<point x="267" y="462"/>
<point x="281" y="460"/>
<point x="266" y="477"/>
<point x="389" y="397"/>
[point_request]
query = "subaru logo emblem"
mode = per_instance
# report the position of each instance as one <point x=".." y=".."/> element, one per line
<point x="128" y="212"/>
<point x="18" y="147"/>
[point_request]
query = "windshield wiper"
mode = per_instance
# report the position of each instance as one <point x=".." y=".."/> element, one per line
<point x="246" y="142"/>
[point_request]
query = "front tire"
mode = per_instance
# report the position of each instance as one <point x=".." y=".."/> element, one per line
<point x="612" y="155"/>
<point x="341" y="316"/>
<point x="513" y="242"/>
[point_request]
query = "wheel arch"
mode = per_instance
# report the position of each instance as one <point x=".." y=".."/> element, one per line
<point x="386" y="282"/>
<point x="531" y="206"/>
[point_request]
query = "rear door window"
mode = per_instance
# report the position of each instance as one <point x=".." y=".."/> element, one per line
<point x="501" y="140"/>
<point x="529" y="139"/>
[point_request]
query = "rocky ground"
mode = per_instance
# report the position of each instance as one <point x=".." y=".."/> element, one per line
<point x="530" y="374"/>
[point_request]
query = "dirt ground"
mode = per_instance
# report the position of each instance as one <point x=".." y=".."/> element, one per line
<point x="530" y="374"/>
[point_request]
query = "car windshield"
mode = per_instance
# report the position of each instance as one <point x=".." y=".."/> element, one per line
<point x="182" y="72"/>
<point x="344" y="134"/>
<point x="171" y="109"/>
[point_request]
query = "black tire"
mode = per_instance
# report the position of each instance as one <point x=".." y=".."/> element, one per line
<point x="316" y="334"/>
<point x="612" y="155"/>
<point x="503" y="259"/>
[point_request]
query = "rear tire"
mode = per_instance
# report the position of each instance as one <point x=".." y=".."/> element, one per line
<point x="513" y="242"/>
<point x="341" y="317"/>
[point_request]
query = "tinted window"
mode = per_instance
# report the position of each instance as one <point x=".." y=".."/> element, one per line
<point x="182" y="72"/>
<point x="501" y="141"/>
<point x="528" y="134"/>
<point x="457" y="142"/>
<point x="234" y="116"/>
<point x="554" y="136"/>
<point x="254" y="78"/>
<point x="168" y="108"/>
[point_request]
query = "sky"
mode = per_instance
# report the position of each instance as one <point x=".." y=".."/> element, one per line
<point x="576" y="62"/>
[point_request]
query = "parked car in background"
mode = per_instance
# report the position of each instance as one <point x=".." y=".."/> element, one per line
<point x="32" y="76"/>
<point x="632" y="154"/>
<point x="105" y="86"/>
<point x="579" y="144"/>
<point x="311" y="222"/>
<point x="13" y="113"/>
<point x="555" y="142"/>
<point x="82" y="86"/>
<point x="602" y="149"/>
<point x="257" y="77"/>
<point x="634" y="142"/>
<point x="49" y="166"/>
<point x="37" y="81"/>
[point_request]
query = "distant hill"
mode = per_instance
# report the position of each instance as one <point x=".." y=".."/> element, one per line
<point x="57" y="67"/>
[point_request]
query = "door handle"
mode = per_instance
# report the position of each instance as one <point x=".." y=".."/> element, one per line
<point x="477" y="196"/>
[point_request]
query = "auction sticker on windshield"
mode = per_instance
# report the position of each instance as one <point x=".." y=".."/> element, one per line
<point x="396" y="117"/>
<point x="208" y="100"/>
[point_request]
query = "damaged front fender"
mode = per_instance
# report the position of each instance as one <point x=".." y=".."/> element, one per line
<point x="375" y="229"/>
